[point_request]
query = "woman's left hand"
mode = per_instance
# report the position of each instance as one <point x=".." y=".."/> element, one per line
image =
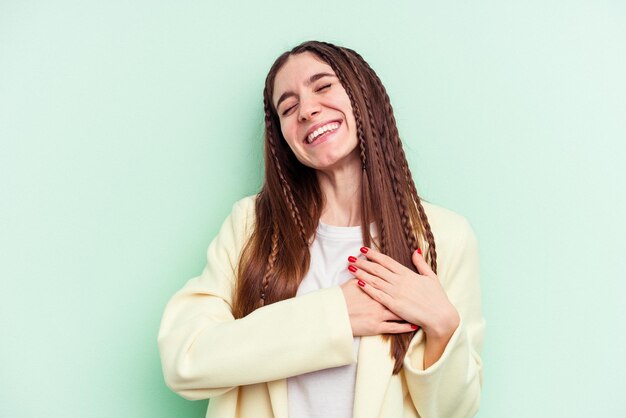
<point x="417" y="298"/>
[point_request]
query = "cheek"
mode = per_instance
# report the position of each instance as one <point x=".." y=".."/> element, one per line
<point x="284" y="129"/>
<point x="347" y="106"/>
<point x="350" y="110"/>
<point x="343" y="98"/>
<point x="289" y="133"/>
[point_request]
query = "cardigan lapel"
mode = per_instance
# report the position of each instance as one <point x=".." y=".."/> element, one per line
<point x="374" y="369"/>
<point x="278" y="397"/>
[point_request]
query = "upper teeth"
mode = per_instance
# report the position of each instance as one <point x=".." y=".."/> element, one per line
<point x="328" y="127"/>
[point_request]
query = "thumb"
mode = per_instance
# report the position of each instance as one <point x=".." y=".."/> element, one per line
<point x="422" y="266"/>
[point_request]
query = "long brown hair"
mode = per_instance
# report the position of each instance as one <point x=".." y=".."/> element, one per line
<point x="288" y="207"/>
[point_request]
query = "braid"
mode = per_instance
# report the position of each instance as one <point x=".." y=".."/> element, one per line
<point x="375" y="137"/>
<point x="270" y="263"/>
<point x="383" y="233"/>
<point x="394" y="135"/>
<point x="368" y="106"/>
<point x="432" y="251"/>
<point x="361" y="135"/>
<point x="366" y="196"/>
<point x="396" y="182"/>
<point x="399" y="196"/>
<point x="402" y="204"/>
<point x="287" y="193"/>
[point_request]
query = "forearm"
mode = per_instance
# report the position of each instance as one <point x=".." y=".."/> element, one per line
<point x="438" y="336"/>
<point x="202" y="350"/>
<point x="433" y="350"/>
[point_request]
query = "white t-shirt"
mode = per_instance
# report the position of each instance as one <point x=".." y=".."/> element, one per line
<point x="327" y="393"/>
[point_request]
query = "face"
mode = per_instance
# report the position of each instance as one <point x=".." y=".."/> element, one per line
<point x="315" y="113"/>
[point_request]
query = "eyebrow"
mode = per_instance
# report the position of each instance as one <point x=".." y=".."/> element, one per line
<point x="311" y="80"/>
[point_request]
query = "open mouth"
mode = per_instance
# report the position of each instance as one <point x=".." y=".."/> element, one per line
<point x="322" y="131"/>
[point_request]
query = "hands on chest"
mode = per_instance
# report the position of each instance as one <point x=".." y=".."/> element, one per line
<point x="385" y="297"/>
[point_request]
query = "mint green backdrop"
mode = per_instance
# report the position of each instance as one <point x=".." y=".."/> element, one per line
<point x="128" y="129"/>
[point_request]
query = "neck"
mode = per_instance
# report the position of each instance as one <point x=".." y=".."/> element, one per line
<point x="341" y="187"/>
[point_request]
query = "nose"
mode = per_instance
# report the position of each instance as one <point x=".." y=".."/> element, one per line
<point x="309" y="107"/>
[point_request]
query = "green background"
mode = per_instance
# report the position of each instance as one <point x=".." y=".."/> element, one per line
<point x="128" y="130"/>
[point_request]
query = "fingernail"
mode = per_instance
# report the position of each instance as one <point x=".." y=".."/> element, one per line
<point x="419" y="250"/>
<point x="364" y="250"/>
<point x="351" y="259"/>
<point x="414" y="326"/>
<point x="361" y="283"/>
<point x="352" y="268"/>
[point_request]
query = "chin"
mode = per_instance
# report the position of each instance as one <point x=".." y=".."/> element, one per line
<point x="337" y="161"/>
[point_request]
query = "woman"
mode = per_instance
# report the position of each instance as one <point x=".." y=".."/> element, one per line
<point x="386" y="321"/>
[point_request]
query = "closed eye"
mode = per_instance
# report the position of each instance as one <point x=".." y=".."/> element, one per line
<point x="288" y="110"/>
<point x="322" y="88"/>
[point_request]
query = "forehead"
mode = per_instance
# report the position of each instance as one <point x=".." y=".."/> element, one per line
<point x="297" y="70"/>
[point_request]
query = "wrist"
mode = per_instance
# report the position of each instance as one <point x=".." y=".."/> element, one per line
<point x="444" y="326"/>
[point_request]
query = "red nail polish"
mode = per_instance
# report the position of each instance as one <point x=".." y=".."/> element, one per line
<point x="364" y="250"/>
<point x="414" y="327"/>
<point x="361" y="283"/>
<point x="351" y="259"/>
<point x="419" y="250"/>
<point x="352" y="268"/>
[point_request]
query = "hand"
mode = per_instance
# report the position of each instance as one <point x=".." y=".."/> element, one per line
<point x="416" y="298"/>
<point x="369" y="317"/>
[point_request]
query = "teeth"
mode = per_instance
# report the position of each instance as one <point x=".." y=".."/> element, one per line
<point x="328" y="127"/>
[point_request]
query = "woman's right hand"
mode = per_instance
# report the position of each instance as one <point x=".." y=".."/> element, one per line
<point x="367" y="316"/>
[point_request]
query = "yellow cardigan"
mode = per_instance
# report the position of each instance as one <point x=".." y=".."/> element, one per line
<point x="242" y="365"/>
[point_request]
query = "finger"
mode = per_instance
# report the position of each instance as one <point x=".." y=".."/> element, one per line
<point x="376" y="294"/>
<point x="373" y="269"/>
<point x="397" y="327"/>
<point x="370" y="279"/>
<point x="384" y="260"/>
<point x="423" y="267"/>
<point x="390" y="316"/>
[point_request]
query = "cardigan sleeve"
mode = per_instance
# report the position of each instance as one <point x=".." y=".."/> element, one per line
<point x="450" y="388"/>
<point x="205" y="351"/>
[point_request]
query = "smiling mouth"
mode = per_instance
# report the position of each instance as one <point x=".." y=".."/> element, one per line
<point x="321" y="131"/>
